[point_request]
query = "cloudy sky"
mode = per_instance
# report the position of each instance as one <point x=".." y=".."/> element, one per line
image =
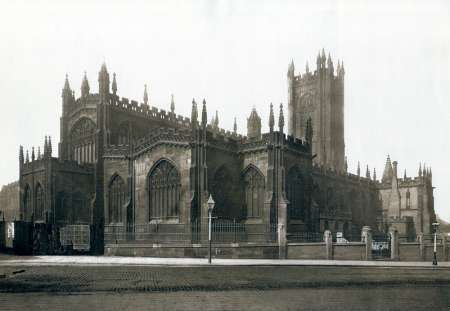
<point x="235" y="54"/>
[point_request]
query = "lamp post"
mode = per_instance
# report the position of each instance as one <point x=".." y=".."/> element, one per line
<point x="211" y="204"/>
<point x="435" y="227"/>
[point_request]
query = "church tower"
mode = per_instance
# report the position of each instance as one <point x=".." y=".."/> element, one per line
<point x="319" y="96"/>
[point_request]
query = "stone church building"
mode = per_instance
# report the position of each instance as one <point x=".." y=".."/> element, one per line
<point x="140" y="171"/>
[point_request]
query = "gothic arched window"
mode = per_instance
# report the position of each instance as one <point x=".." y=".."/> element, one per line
<point x="27" y="203"/>
<point x="408" y="199"/>
<point x="164" y="191"/>
<point x="39" y="203"/>
<point x="82" y="141"/>
<point x="117" y="198"/>
<point x="254" y="192"/>
<point x="295" y="191"/>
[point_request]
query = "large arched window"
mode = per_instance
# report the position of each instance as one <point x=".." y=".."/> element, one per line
<point x="117" y="198"/>
<point x="295" y="191"/>
<point x="27" y="203"/>
<point x="254" y="192"/>
<point x="82" y="142"/>
<point x="164" y="191"/>
<point x="39" y="204"/>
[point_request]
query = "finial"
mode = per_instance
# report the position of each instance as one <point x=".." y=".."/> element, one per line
<point x="85" y="86"/>
<point x="204" y="114"/>
<point x="45" y="147"/>
<point x="21" y="159"/>
<point x="194" y="113"/>
<point x="323" y="54"/>
<point x="404" y="175"/>
<point x="235" y="126"/>
<point x="114" y="84"/>
<point x="66" y="83"/>
<point x="374" y="174"/>
<point x="27" y="158"/>
<point x="32" y="154"/>
<point x="216" y="120"/>
<point x="145" y="94"/>
<point x="172" y="104"/>
<point x="281" y="119"/>
<point x="367" y="172"/>
<point x="420" y="169"/>
<point x="49" y="146"/>
<point x="358" y="170"/>
<point x="271" y="118"/>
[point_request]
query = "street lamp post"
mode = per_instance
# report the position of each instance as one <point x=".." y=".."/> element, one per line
<point x="435" y="227"/>
<point x="211" y="204"/>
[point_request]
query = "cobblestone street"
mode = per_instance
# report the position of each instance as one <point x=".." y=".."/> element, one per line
<point x="223" y="288"/>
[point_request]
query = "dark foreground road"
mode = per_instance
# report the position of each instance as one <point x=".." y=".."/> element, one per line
<point x="223" y="288"/>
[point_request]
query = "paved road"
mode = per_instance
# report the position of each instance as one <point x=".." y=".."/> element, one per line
<point x="223" y="288"/>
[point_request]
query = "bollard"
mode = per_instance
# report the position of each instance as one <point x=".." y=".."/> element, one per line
<point x="394" y="243"/>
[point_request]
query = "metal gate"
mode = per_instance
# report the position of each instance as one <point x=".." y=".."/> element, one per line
<point x="381" y="246"/>
<point x="77" y="237"/>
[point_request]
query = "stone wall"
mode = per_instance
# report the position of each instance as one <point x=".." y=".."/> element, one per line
<point x="9" y="202"/>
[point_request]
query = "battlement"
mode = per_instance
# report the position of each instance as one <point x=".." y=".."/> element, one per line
<point x="326" y="171"/>
<point x="143" y="110"/>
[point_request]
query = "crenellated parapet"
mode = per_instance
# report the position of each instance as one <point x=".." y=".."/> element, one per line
<point x="342" y="176"/>
<point x="142" y="110"/>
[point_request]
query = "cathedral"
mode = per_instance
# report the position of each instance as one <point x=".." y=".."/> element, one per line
<point x="136" y="171"/>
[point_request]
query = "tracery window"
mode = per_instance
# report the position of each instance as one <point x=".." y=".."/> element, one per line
<point x="39" y="203"/>
<point x="222" y="189"/>
<point x="164" y="191"/>
<point x="82" y="141"/>
<point x="254" y="192"/>
<point x="117" y="199"/>
<point x="295" y="191"/>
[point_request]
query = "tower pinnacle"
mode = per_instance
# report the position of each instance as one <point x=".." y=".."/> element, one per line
<point x="271" y="118"/>
<point x="145" y="94"/>
<point x="114" y="84"/>
<point x="172" y="104"/>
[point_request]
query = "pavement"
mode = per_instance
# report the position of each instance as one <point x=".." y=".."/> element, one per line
<point x="152" y="261"/>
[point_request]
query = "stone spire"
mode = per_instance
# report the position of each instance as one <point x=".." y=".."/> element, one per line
<point x="204" y="114"/>
<point x="367" y="172"/>
<point x="281" y="119"/>
<point x="194" y="113"/>
<point x="330" y="64"/>
<point x="145" y="94"/>
<point x="404" y="175"/>
<point x="387" y="173"/>
<point x="85" y="86"/>
<point x="114" y="84"/>
<point x="420" y="169"/>
<point x="374" y="174"/>
<point x="254" y="125"/>
<point x="27" y="158"/>
<point x="39" y="156"/>
<point x="234" y="126"/>
<point x="216" y="120"/>
<point x="66" y="84"/>
<point x="271" y="118"/>
<point x="172" y="104"/>
<point x="358" y="170"/>
<point x="32" y="154"/>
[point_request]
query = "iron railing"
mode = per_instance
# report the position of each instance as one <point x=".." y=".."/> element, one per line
<point x="221" y="232"/>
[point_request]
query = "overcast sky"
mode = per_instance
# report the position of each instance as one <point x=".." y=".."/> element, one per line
<point x="235" y="54"/>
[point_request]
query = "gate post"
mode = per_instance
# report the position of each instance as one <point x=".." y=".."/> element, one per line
<point x="421" y="246"/>
<point x="366" y="237"/>
<point x="328" y="238"/>
<point x="394" y="243"/>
